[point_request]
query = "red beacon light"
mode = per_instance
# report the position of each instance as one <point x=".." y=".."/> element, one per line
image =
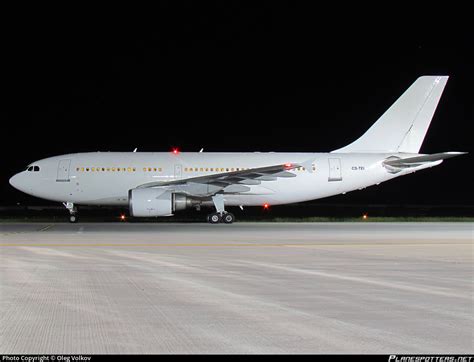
<point x="266" y="206"/>
<point x="175" y="151"/>
<point x="288" y="165"/>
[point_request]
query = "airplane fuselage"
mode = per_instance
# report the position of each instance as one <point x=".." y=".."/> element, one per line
<point x="105" y="178"/>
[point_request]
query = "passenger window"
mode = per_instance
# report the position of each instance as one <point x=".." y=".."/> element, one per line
<point x="160" y="169"/>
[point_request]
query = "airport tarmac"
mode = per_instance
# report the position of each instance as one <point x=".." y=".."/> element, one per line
<point x="241" y="288"/>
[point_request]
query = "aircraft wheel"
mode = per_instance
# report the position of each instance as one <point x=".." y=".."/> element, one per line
<point x="228" y="218"/>
<point x="72" y="218"/>
<point x="214" y="218"/>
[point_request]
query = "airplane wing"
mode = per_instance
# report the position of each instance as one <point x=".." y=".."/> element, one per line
<point x="228" y="182"/>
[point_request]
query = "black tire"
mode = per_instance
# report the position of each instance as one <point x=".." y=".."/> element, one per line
<point x="228" y="218"/>
<point x="73" y="219"/>
<point x="214" y="218"/>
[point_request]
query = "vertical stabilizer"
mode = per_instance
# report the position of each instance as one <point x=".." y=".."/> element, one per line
<point x="402" y="128"/>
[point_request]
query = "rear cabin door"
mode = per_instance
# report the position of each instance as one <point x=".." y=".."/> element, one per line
<point x="63" y="171"/>
<point x="335" y="173"/>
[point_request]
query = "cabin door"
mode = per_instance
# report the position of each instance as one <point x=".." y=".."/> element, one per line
<point x="335" y="173"/>
<point x="63" y="171"/>
<point x="178" y="170"/>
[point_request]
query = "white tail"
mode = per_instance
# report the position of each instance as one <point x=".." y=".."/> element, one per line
<point x="402" y="128"/>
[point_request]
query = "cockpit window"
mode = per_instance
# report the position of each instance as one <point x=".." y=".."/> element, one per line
<point x="30" y="168"/>
<point x="36" y="168"/>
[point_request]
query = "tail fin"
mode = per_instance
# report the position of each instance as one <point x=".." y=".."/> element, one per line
<point x="402" y="128"/>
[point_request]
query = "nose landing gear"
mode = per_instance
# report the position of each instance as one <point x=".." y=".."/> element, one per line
<point x="72" y="211"/>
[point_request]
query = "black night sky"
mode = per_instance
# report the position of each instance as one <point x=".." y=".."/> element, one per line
<point x="232" y="78"/>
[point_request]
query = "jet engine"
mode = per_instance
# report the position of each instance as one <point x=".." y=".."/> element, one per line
<point x="155" y="202"/>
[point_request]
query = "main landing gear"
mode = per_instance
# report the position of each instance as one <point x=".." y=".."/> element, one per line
<point x="225" y="217"/>
<point x="72" y="211"/>
<point x="221" y="216"/>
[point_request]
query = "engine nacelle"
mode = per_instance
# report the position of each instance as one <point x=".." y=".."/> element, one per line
<point x="155" y="202"/>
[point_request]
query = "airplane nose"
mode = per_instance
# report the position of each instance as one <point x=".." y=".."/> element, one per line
<point x="14" y="181"/>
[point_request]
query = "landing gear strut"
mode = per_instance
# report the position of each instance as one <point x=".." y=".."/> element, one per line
<point x="221" y="215"/>
<point x="72" y="211"/>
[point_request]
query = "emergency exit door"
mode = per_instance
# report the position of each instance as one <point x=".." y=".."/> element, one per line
<point x="178" y="170"/>
<point x="335" y="173"/>
<point x="63" y="171"/>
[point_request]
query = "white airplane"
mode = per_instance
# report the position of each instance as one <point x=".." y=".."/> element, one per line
<point x="159" y="184"/>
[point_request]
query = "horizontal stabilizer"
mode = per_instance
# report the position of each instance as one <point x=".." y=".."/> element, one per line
<point x="395" y="164"/>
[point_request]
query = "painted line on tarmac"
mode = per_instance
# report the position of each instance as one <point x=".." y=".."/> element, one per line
<point x="46" y="228"/>
<point x="28" y="231"/>
<point x="218" y="245"/>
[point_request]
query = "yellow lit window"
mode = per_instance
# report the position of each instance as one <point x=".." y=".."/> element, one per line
<point x="113" y="168"/>
<point x="222" y="169"/>
<point x="144" y="169"/>
<point x="201" y="169"/>
<point x="82" y="169"/>
<point x="149" y="169"/>
<point x="159" y="169"/>
<point x="129" y="169"/>
<point x="207" y="169"/>
<point x="93" y="169"/>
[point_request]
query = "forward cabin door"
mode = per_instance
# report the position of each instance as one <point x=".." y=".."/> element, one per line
<point x="63" y="171"/>
<point x="335" y="173"/>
